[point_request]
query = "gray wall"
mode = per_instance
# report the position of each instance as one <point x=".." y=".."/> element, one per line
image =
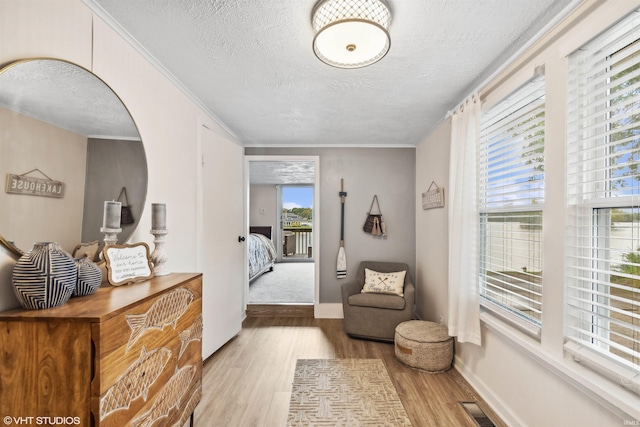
<point x="387" y="172"/>
<point x="111" y="165"/>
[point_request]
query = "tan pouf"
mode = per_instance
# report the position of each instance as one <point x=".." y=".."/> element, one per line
<point x="425" y="346"/>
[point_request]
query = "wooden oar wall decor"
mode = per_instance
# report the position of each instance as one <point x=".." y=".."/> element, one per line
<point x="341" y="268"/>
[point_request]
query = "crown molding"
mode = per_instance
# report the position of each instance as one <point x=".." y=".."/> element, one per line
<point x="111" y="22"/>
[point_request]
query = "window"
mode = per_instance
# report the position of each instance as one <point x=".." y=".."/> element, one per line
<point x="511" y="192"/>
<point x="602" y="276"/>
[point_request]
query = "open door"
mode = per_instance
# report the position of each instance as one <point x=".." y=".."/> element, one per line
<point x="221" y="243"/>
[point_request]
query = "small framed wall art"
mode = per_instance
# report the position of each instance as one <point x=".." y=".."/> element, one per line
<point x="433" y="198"/>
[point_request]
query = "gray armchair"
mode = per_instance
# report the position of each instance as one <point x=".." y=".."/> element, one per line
<point x="375" y="316"/>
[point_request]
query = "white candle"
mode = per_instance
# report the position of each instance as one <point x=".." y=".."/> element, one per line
<point x="158" y="216"/>
<point x="112" y="211"/>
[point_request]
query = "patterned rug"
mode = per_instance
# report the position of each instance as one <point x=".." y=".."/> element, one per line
<point x="344" y="392"/>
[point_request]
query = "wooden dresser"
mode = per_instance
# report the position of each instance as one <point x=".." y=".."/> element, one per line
<point x="126" y="355"/>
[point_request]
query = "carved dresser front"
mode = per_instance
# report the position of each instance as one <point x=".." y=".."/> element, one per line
<point x="126" y="355"/>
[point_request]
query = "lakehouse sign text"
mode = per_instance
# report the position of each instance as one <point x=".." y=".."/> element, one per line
<point x="21" y="184"/>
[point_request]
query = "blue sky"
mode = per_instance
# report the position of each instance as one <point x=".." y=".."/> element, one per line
<point x="297" y="197"/>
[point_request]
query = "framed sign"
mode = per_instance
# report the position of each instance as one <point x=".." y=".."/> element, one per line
<point x="433" y="198"/>
<point x="128" y="263"/>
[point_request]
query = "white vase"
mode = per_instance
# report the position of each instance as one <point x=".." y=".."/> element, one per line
<point x="89" y="277"/>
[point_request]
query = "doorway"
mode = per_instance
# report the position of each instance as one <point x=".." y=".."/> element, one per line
<point x="282" y="194"/>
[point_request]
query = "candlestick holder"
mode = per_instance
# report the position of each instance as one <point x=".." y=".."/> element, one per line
<point x="110" y="237"/>
<point x="159" y="256"/>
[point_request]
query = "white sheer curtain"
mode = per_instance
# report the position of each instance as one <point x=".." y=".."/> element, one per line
<point x="464" y="304"/>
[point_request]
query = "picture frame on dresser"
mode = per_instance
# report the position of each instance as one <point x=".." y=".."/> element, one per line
<point x="128" y="264"/>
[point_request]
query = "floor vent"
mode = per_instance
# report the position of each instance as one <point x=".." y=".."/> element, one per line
<point x="479" y="417"/>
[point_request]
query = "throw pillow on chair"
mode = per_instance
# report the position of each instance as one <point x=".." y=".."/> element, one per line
<point x="384" y="283"/>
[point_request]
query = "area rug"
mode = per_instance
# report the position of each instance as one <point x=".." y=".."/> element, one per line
<point x="344" y="392"/>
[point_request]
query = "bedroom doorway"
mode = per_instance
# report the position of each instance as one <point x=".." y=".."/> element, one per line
<point x="282" y="195"/>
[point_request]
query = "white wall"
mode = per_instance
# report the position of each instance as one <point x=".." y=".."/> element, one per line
<point x="432" y="165"/>
<point x="166" y="118"/>
<point x="263" y="209"/>
<point x="528" y="382"/>
<point x="27" y="144"/>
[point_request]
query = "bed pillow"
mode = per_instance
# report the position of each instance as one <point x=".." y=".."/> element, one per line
<point x="384" y="283"/>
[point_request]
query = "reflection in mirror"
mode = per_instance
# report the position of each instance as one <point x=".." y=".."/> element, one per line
<point x="60" y="122"/>
<point x="13" y="249"/>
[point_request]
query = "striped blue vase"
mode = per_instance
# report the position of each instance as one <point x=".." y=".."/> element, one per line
<point x="89" y="277"/>
<point x="44" y="277"/>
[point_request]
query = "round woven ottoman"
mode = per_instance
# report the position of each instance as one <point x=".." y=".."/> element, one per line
<point x="424" y="346"/>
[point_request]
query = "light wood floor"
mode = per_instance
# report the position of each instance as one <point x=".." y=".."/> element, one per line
<point x="248" y="381"/>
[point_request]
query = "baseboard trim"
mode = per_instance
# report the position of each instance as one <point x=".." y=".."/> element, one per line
<point x="329" y="311"/>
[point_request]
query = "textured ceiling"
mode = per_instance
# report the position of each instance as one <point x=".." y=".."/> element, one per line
<point x="65" y="95"/>
<point x="250" y="63"/>
<point x="282" y="172"/>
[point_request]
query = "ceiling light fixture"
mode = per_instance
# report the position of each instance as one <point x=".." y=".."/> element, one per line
<point x="351" y="33"/>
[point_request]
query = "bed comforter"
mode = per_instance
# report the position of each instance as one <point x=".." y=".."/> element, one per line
<point x="262" y="254"/>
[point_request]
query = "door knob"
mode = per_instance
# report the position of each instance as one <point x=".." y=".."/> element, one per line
<point x="240" y="239"/>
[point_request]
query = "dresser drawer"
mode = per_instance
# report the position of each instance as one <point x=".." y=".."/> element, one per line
<point x="134" y="352"/>
<point x="148" y="359"/>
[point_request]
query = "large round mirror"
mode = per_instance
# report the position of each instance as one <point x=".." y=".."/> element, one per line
<point x="67" y="145"/>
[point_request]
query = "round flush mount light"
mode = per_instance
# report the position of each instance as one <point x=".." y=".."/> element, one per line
<point x="351" y="33"/>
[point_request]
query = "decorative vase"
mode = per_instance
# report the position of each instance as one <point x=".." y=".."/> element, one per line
<point x="89" y="277"/>
<point x="44" y="277"/>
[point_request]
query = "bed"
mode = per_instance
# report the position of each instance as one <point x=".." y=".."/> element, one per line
<point x="262" y="252"/>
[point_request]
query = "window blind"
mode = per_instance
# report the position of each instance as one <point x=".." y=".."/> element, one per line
<point x="511" y="198"/>
<point x="602" y="244"/>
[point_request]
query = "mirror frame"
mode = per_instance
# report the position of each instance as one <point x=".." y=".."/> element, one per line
<point x="15" y="251"/>
<point x="10" y="246"/>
